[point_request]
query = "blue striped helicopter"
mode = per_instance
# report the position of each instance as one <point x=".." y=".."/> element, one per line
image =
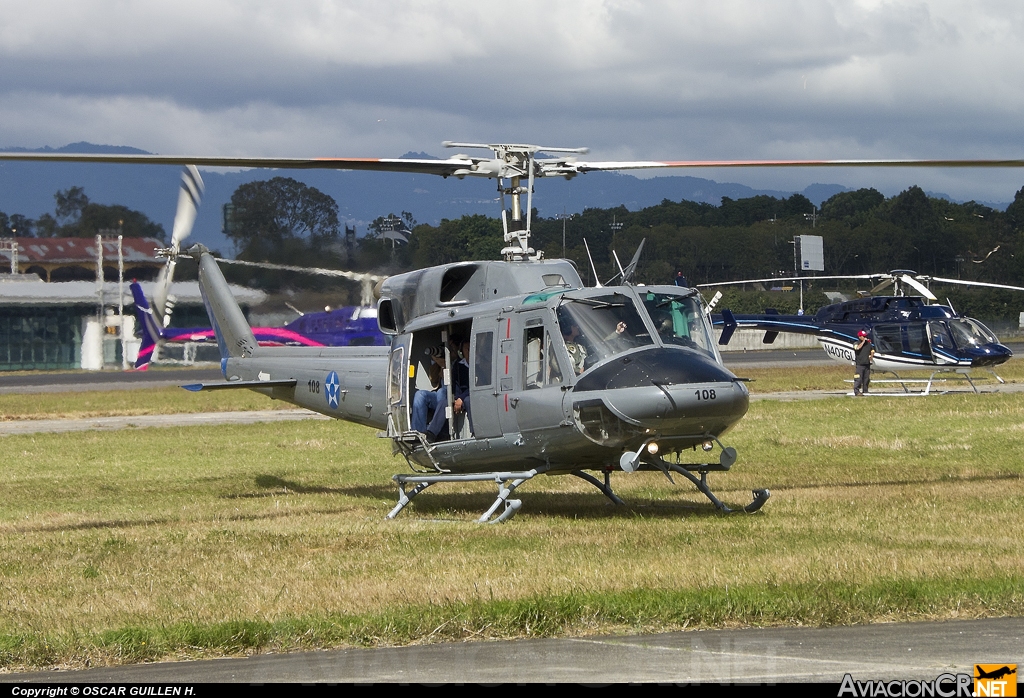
<point x="909" y="329"/>
<point x="537" y="374"/>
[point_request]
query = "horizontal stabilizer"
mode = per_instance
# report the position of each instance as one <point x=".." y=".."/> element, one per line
<point x="230" y="385"/>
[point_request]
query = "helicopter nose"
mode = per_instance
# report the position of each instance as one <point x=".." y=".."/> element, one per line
<point x="692" y="408"/>
<point x="673" y="391"/>
<point x="989" y="355"/>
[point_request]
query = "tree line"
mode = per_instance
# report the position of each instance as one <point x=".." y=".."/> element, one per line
<point x="285" y="221"/>
<point x="75" y="216"/>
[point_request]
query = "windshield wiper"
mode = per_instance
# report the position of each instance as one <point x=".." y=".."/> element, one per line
<point x="679" y="299"/>
<point x="600" y="305"/>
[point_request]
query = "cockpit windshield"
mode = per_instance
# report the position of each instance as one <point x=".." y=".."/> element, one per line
<point x="968" y="332"/>
<point x="678" y="320"/>
<point x="599" y="327"/>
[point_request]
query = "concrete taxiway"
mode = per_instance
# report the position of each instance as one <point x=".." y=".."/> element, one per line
<point x="892" y="651"/>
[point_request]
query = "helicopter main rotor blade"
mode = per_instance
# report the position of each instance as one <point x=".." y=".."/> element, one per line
<point x="694" y="164"/>
<point x="367" y="281"/>
<point x="785" y="278"/>
<point x="444" y="168"/>
<point x="490" y="167"/>
<point x="918" y="286"/>
<point x="886" y="283"/>
<point x="977" y="283"/>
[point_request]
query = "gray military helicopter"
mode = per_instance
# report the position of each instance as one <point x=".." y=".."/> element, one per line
<point x="546" y="376"/>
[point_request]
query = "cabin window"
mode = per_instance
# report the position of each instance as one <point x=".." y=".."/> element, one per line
<point x="483" y="365"/>
<point x="540" y="366"/>
<point x="917" y="340"/>
<point x="888" y="340"/>
<point x="397" y="381"/>
<point x="940" y="336"/>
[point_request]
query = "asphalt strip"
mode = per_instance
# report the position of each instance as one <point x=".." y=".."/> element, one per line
<point x="36" y="426"/>
<point x="897" y="652"/>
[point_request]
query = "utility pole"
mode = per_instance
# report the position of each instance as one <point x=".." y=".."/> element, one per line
<point x="99" y="278"/>
<point x="120" y="295"/>
<point x="564" y="216"/>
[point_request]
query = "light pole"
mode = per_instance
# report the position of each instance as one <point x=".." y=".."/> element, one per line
<point x="564" y="216"/>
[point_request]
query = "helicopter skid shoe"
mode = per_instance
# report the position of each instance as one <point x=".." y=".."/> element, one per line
<point x="507" y="483"/>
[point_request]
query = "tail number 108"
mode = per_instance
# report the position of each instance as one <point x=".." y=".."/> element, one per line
<point x="704" y="394"/>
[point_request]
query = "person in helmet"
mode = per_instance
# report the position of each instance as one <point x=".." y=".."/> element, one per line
<point x="864" y="353"/>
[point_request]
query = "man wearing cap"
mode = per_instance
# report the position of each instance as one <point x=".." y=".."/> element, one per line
<point x="864" y="352"/>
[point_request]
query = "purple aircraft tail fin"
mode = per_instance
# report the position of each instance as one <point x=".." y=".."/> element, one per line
<point x="150" y="329"/>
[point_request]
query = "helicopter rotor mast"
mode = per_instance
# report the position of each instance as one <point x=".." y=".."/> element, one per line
<point x="514" y="162"/>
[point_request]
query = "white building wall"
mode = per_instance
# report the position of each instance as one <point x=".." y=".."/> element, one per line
<point x="751" y="340"/>
<point x="92" y="344"/>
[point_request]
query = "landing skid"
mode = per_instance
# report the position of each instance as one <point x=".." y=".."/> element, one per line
<point x="605" y="487"/>
<point x="701" y="483"/>
<point x="507" y="483"/>
<point x="928" y="382"/>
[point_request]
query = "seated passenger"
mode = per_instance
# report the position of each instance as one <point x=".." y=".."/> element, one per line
<point x="577" y="352"/>
<point x="425" y="400"/>
<point x="460" y="379"/>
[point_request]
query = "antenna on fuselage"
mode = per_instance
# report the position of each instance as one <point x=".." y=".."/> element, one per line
<point x="627" y="273"/>
<point x="597" y="279"/>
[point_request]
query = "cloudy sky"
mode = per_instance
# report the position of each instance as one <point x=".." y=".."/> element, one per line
<point x="652" y="80"/>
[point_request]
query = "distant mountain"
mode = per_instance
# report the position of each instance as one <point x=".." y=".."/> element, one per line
<point x="28" y="188"/>
<point x="80" y="147"/>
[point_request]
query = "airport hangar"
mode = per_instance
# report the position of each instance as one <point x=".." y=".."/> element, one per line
<point x="56" y="314"/>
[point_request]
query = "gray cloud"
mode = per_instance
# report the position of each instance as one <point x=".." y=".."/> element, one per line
<point x="662" y="80"/>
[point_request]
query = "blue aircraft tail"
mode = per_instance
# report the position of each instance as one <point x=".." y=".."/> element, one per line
<point x="151" y="333"/>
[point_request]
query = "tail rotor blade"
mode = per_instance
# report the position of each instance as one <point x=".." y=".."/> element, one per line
<point x="190" y="195"/>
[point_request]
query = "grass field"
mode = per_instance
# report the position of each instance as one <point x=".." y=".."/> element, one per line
<point x="121" y="547"/>
<point x="159" y="543"/>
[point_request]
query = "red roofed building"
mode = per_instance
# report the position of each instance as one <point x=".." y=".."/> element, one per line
<point x="74" y="259"/>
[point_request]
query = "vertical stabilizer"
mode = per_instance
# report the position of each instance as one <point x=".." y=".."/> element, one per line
<point x="234" y="336"/>
<point x="147" y="323"/>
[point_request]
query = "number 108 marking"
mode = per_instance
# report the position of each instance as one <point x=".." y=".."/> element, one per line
<point x="704" y="394"/>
